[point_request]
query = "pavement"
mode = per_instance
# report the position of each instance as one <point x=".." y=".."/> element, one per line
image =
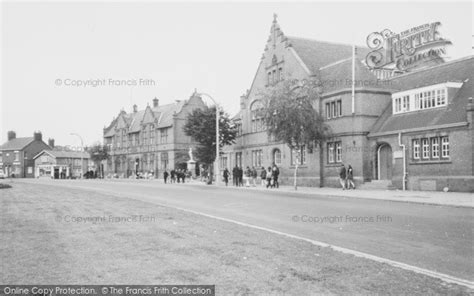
<point x="456" y="199"/>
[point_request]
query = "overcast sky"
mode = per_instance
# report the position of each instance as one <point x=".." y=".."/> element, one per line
<point x="173" y="47"/>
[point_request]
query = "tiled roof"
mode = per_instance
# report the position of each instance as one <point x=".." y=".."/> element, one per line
<point x="65" y="154"/>
<point x="16" y="144"/>
<point x="164" y="115"/>
<point x="339" y="76"/>
<point x="455" y="112"/>
<point x="316" y="54"/>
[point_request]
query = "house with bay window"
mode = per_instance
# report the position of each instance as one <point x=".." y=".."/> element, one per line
<point x="150" y="140"/>
<point x="412" y="130"/>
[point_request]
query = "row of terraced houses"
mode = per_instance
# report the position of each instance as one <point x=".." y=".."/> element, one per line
<point x="414" y="127"/>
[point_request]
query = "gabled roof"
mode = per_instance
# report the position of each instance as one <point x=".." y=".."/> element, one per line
<point x="454" y="113"/>
<point x="64" y="154"/>
<point x="316" y="54"/>
<point x="16" y="144"/>
<point x="163" y="114"/>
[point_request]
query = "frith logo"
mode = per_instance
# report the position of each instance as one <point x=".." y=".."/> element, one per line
<point x="407" y="49"/>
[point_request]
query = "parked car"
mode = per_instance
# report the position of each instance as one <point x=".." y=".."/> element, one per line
<point x="2" y="175"/>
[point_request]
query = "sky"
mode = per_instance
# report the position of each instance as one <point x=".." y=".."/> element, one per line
<point x="71" y="67"/>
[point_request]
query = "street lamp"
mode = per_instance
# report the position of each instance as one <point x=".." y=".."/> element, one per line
<point x="217" y="136"/>
<point x="82" y="151"/>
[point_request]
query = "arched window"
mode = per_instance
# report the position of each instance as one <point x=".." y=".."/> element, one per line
<point x="277" y="156"/>
<point x="256" y="110"/>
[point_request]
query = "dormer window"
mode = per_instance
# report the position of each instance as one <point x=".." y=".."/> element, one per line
<point x="422" y="98"/>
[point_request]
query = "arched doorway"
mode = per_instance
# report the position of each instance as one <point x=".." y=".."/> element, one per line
<point x="384" y="162"/>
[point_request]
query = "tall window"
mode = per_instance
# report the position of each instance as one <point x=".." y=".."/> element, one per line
<point x="257" y="158"/>
<point x="164" y="160"/>
<point x="1" y="157"/>
<point x="334" y="109"/>
<point x="239" y="129"/>
<point x="124" y="138"/>
<point x="17" y="156"/>
<point x="339" y="108"/>
<point x="330" y="152"/>
<point x="338" y="152"/>
<point x="435" y="147"/>
<point x="298" y="156"/>
<point x="425" y="145"/>
<point x="152" y="134"/>
<point x="280" y="74"/>
<point x="238" y="159"/>
<point x="334" y="151"/>
<point x="223" y="162"/>
<point x="445" y="147"/>
<point x="416" y="149"/>
<point x="145" y="135"/>
<point x="257" y="116"/>
<point x="164" y="136"/>
<point x="277" y="156"/>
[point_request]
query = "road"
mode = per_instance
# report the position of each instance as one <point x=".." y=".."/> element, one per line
<point x="437" y="238"/>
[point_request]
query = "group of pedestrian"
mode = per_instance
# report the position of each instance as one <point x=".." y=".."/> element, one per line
<point x="247" y="178"/>
<point x="178" y="175"/>
<point x="270" y="176"/>
<point x="346" y="177"/>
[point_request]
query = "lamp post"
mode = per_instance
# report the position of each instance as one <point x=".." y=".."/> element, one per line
<point x="217" y="137"/>
<point x="82" y="151"/>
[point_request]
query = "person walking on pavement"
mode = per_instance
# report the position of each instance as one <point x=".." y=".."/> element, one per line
<point x="276" y="173"/>
<point x="241" y="176"/>
<point x="269" y="177"/>
<point x="254" y="176"/>
<point x="263" y="176"/>
<point x="165" y="176"/>
<point x="342" y="176"/>
<point x="248" y="175"/>
<point x="235" y="174"/>
<point x="226" y="176"/>
<point x="350" y="178"/>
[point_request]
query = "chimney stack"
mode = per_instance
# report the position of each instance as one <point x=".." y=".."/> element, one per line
<point x="38" y="136"/>
<point x="51" y="143"/>
<point x="135" y="108"/>
<point x="11" y="135"/>
<point x="155" y="102"/>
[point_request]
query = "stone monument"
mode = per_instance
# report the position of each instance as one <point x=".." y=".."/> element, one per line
<point x="191" y="163"/>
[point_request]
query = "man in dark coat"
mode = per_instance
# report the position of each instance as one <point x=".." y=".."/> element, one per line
<point x="235" y="175"/>
<point x="342" y="176"/>
<point x="226" y="176"/>
<point x="165" y="176"/>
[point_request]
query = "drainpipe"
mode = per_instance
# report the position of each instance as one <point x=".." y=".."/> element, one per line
<point x="404" y="179"/>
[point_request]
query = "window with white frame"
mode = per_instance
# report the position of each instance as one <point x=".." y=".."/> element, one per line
<point x="152" y="134"/>
<point x="257" y="158"/>
<point x="422" y="98"/>
<point x="17" y="155"/>
<point x="164" y="135"/>
<point x="257" y="123"/>
<point x="425" y="146"/>
<point x="223" y="162"/>
<point x="435" y="147"/>
<point x="277" y="156"/>
<point x="338" y="152"/>
<point x="330" y="152"/>
<point x="445" y="147"/>
<point x="298" y="156"/>
<point x="416" y="149"/>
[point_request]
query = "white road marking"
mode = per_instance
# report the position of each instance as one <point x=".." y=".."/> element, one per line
<point x="444" y="277"/>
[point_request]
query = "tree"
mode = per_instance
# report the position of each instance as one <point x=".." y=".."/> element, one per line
<point x="201" y="126"/>
<point x="99" y="153"/>
<point x="290" y="116"/>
